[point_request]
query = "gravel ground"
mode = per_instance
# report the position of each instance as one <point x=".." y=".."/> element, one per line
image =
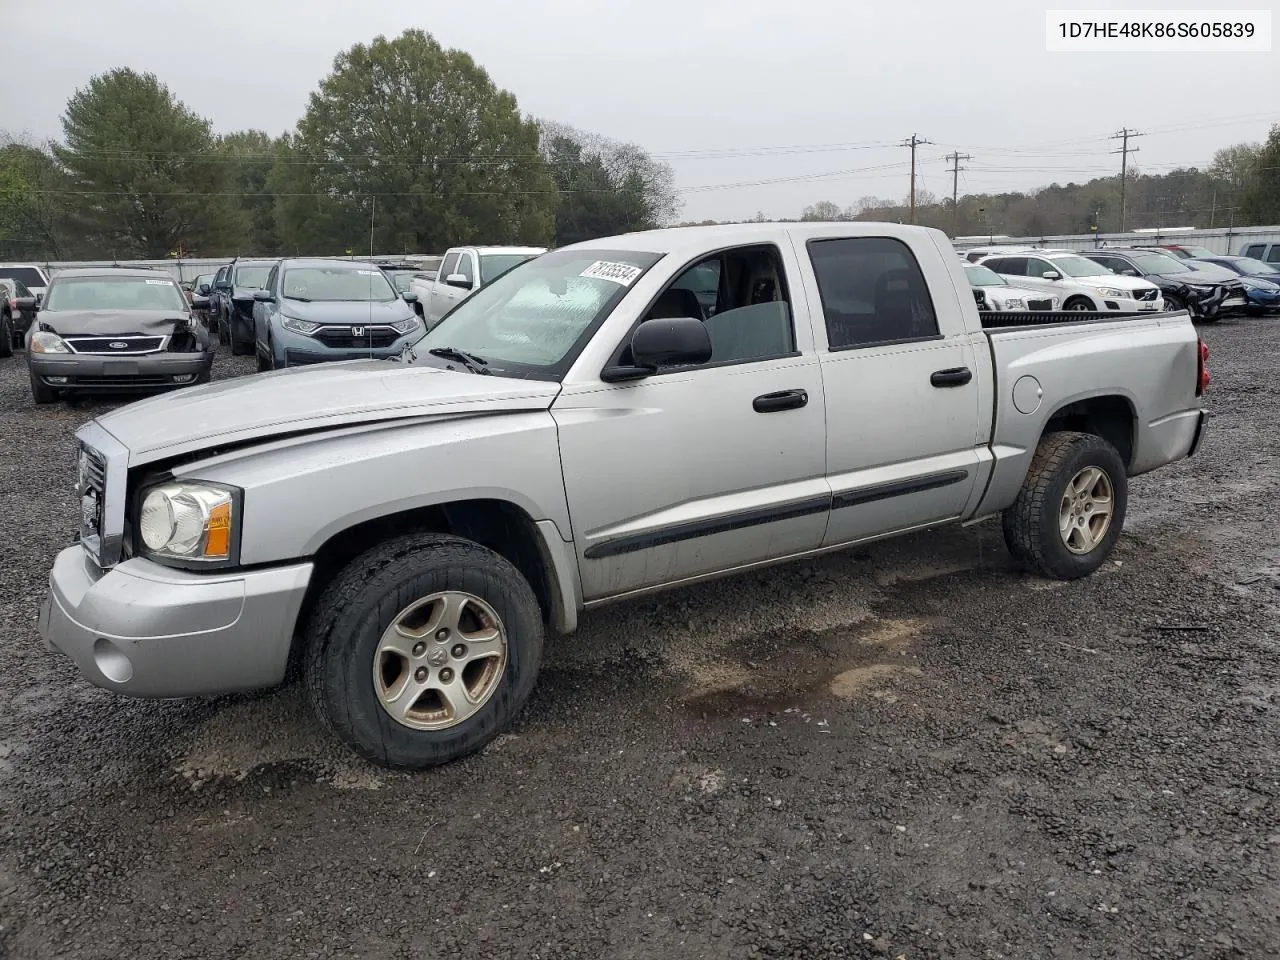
<point x="911" y="750"/>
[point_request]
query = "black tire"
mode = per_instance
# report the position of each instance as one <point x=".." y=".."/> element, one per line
<point x="264" y="363"/>
<point x="240" y="348"/>
<point x="6" y="336"/>
<point x="353" y="611"/>
<point x="1173" y="304"/>
<point x="40" y="392"/>
<point x="1078" y="303"/>
<point x="1031" y="524"/>
<point x="222" y="332"/>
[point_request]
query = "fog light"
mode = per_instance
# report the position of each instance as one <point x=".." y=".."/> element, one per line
<point x="56" y="379"/>
<point x="183" y="377"/>
<point x="112" y="661"/>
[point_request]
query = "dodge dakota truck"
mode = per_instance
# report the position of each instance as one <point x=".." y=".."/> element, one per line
<point x="617" y="417"/>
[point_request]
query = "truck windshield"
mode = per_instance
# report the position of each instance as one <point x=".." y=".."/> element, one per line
<point x="532" y="322"/>
<point x="980" y="276"/>
<point x="114" y="293"/>
<point x="338" y="282"/>
<point x="494" y="265"/>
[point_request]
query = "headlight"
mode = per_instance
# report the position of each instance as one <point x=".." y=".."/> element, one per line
<point x="45" y="342"/>
<point x="304" y="327"/>
<point x="1116" y="294"/>
<point x="405" y="326"/>
<point x="189" y="521"/>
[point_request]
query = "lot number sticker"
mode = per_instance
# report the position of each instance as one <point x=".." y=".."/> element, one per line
<point x="623" y="273"/>
<point x="159" y="283"/>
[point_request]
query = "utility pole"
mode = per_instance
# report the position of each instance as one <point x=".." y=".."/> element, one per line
<point x="1124" y="136"/>
<point x="1213" y="208"/>
<point x="913" y="142"/>
<point x="955" y="159"/>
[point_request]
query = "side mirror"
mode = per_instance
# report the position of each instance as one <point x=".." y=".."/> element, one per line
<point x="663" y="343"/>
<point x="1051" y="275"/>
<point x="409" y="297"/>
<point x="1128" y="273"/>
<point x="458" y="280"/>
<point x="37" y="301"/>
<point x="263" y="296"/>
<point x="203" y="290"/>
<point x="27" y="303"/>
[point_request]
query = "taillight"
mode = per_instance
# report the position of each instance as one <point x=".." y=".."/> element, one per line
<point x="1202" y="368"/>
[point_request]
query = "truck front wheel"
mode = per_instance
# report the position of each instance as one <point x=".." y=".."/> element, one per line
<point x="422" y="650"/>
<point x="1070" y="511"/>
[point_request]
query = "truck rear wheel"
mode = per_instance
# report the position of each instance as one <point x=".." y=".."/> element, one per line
<point x="422" y="650"/>
<point x="6" y="336"/>
<point x="1070" y="511"/>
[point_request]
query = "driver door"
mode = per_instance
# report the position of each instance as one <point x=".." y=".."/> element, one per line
<point x="697" y="470"/>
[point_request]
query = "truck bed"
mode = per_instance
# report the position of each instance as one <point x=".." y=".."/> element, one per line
<point x="1009" y="319"/>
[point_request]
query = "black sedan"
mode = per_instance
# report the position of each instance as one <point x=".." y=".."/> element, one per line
<point x="1207" y="292"/>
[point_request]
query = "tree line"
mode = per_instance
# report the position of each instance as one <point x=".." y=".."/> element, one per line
<point x="405" y="146"/>
<point x="1240" y="187"/>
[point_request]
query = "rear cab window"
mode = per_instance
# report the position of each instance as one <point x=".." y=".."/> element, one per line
<point x="28" y="275"/>
<point x="873" y="292"/>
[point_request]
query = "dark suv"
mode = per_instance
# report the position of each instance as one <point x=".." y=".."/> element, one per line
<point x="232" y="304"/>
<point x="1208" y="293"/>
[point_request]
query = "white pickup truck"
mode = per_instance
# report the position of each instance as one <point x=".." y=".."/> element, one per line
<point x="463" y="271"/>
<point x="614" y="418"/>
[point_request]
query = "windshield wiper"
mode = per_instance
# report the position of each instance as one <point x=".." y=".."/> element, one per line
<point x="469" y="360"/>
<point x="299" y="299"/>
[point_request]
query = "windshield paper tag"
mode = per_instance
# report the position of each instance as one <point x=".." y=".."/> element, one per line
<point x="160" y="283"/>
<point x="623" y="273"/>
<point x="368" y="273"/>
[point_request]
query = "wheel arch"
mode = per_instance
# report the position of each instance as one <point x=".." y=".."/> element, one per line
<point x="1111" y="416"/>
<point x="535" y="549"/>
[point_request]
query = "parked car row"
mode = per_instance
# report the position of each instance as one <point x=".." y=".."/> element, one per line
<point x="1142" y="277"/>
<point x="110" y="329"/>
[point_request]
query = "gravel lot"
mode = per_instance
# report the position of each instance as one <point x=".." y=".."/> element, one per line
<point x="911" y="750"/>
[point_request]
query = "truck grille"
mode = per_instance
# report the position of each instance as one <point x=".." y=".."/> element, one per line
<point x="343" y="338"/>
<point x="1146" y="294"/>
<point x="1045" y="304"/>
<point x="91" y="491"/>
<point x="115" y="346"/>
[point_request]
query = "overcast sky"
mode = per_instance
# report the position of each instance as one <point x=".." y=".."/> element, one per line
<point x="729" y="93"/>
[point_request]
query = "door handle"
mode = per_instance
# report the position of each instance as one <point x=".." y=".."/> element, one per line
<point x="782" y="400"/>
<point x="955" y="377"/>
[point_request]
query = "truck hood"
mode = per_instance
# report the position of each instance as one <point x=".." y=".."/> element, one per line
<point x="106" y="323"/>
<point x="312" y="398"/>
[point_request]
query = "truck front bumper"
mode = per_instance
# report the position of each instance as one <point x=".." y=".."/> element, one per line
<point x="146" y="630"/>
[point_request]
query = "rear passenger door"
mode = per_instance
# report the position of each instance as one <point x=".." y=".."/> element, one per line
<point x="904" y="441"/>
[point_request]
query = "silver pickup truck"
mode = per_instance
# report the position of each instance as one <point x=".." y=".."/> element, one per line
<point x="614" y="418"/>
